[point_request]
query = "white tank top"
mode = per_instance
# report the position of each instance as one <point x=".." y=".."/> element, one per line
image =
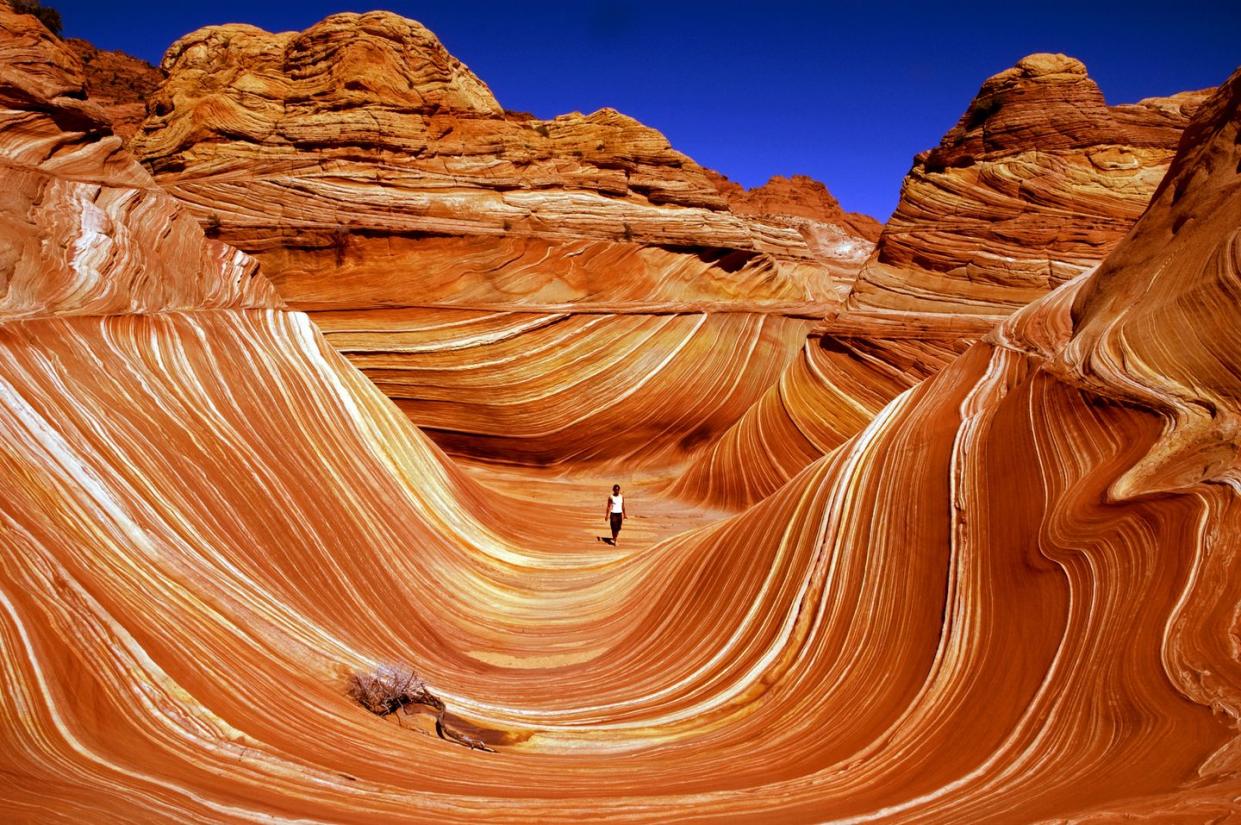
<point x="618" y="504"/>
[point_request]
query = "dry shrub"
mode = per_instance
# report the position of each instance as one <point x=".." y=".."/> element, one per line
<point x="390" y="689"/>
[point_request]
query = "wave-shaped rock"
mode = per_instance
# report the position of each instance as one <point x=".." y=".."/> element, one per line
<point x="1034" y="185"/>
<point x="1008" y="598"/>
<point x="373" y="174"/>
<point x="836" y="386"/>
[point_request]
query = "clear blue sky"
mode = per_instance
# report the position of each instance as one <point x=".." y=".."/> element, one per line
<point x="844" y="92"/>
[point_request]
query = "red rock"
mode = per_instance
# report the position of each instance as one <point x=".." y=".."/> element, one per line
<point x="1034" y="185"/>
<point x="375" y="177"/>
<point x="119" y="83"/>
<point x="1010" y="597"/>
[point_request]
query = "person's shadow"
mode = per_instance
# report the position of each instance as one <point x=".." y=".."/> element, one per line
<point x="606" y="540"/>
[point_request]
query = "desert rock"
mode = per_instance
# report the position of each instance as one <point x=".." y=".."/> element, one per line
<point x="1036" y="183"/>
<point x="1010" y="597"/>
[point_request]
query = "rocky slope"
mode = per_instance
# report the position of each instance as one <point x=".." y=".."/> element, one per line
<point x="1035" y="184"/>
<point x="385" y="189"/>
<point x="349" y="143"/>
<point x="118" y="83"/>
<point x="1008" y="599"/>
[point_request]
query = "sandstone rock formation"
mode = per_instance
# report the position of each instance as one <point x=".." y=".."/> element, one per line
<point x="1035" y="184"/>
<point x="836" y="386"/>
<point x="119" y="83"/>
<point x="385" y="190"/>
<point x="364" y="128"/>
<point x="1009" y="598"/>
<point x="804" y="204"/>
<point x="67" y="178"/>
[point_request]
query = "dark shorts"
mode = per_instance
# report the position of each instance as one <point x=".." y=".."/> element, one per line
<point x="616" y="518"/>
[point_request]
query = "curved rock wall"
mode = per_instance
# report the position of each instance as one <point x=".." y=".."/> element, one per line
<point x="1009" y="597"/>
<point x="368" y="170"/>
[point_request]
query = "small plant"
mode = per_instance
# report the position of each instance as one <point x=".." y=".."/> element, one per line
<point x="47" y="15"/>
<point x="542" y="129"/>
<point x="390" y="689"/>
<point x="626" y="231"/>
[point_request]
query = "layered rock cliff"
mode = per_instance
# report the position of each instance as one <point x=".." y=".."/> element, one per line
<point x="118" y="83"/>
<point x="81" y="216"/>
<point x="1009" y="598"/>
<point x="385" y="190"/>
<point x="1038" y="181"/>
<point x="363" y="130"/>
<point x="1035" y="184"/>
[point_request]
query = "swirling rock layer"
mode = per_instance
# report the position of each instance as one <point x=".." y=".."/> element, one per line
<point x="365" y="124"/>
<point x="378" y="181"/>
<point x="825" y="396"/>
<point x="1008" y="598"/>
<point x="81" y="219"/>
<point x="1035" y="184"/>
<point x="618" y="391"/>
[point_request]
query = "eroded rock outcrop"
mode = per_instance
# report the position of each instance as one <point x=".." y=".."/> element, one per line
<point x="118" y="83"/>
<point x="1009" y="598"/>
<point x="365" y="126"/>
<point x="1035" y="184"/>
<point x="385" y="190"/>
<point x="68" y="178"/>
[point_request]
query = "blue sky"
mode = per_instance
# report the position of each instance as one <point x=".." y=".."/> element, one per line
<point x="845" y="92"/>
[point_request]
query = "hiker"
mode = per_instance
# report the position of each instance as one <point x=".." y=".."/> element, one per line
<point x="614" y="511"/>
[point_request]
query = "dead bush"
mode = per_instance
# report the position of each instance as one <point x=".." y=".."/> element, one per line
<point x="390" y="689"/>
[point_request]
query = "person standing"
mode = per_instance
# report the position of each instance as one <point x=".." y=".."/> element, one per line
<point x="614" y="511"/>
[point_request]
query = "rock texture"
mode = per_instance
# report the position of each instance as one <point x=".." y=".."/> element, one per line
<point x="119" y="83"/>
<point x="384" y="189"/>
<point x="621" y="392"/>
<point x="1035" y="184"/>
<point x="804" y="204"/>
<point x="364" y="128"/>
<point x="81" y="217"/>
<point x="1009" y="598"/>
<point x="830" y="392"/>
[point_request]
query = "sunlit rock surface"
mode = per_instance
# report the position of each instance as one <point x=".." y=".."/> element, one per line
<point x="835" y="386"/>
<point x="364" y="128"/>
<point x="1009" y="598"/>
<point x="386" y="191"/>
<point x="81" y="217"/>
<point x="1034" y="185"/>
<point x="119" y="83"/>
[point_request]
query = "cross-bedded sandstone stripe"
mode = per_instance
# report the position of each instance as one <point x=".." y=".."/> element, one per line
<point x="627" y="391"/>
<point x="1008" y="597"/>
<point x="1038" y="181"/>
<point x="824" y="396"/>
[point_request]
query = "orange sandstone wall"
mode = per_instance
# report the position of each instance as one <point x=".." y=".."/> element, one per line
<point x="1037" y="183"/>
<point x="378" y="180"/>
<point x="1008" y="598"/>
